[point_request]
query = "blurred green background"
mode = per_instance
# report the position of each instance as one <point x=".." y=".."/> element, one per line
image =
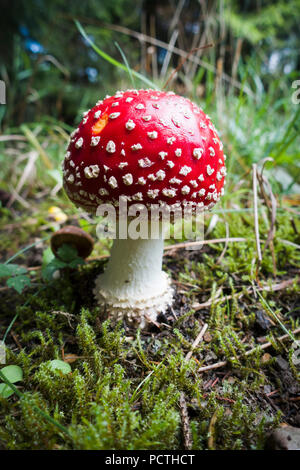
<point x="244" y="80"/>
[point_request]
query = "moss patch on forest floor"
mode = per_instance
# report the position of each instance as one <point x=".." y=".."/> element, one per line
<point x="128" y="389"/>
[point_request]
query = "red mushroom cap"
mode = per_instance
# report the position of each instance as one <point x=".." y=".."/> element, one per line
<point x="150" y="147"/>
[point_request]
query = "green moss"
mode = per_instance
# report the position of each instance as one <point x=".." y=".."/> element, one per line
<point x="123" y="391"/>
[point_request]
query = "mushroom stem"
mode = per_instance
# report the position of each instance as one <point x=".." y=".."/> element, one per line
<point x="133" y="285"/>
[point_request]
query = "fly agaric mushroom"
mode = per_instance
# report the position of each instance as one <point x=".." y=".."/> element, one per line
<point x="148" y="147"/>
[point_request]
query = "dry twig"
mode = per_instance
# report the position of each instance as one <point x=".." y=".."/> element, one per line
<point x="197" y="341"/>
<point x="187" y="435"/>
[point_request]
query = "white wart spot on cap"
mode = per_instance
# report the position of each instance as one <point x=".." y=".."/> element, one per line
<point x="185" y="190"/>
<point x="97" y="114"/>
<point x="145" y="162"/>
<point x="209" y="170"/>
<point x="79" y="143"/>
<point x="116" y="103"/>
<point x="194" y="183"/>
<point x="170" y="164"/>
<point x="71" y="179"/>
<point x="68" y="155"/>
<point x="155" y="105"/>
<point x="152" y="135"/>
<point x="123" y="152"/>
<point x="137" y="197"/>
<point x="91" y="171"/>
<point x="141" y="181"/>
<point x="178" y="152"/>
<point x="153" y="193"/>
<point x="136" y="147"/>
<point x="212" y="152"/>
<point x="74" y="133"/>
<point x="201" y="177"/>
<point x="160" y="175"/>
<point x="95" y="141"/>
<point x="130" y="125"/>
<point x="171" y="140"/>
<point x="175" y="181"/>
<point x="197" y="153"/>
<point x="128" y="179"/>
<point x="169" y="192"/>
<point x="201" y="192"/>
<point x="122" y="165"/>
<point x="103" y="192"/>
<point x="185" y="170"/>
<point x="162" y="155"/>
<point x="140" y="106"/>
<point x="146" y="118"/>
<point x="113" y="182"/>
<point x="111" y="147"/>
<point x="129" y="99"/>
<point x="114" y="115"/>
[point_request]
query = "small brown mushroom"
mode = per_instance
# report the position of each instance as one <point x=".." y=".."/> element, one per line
<point x="74" y="236"/>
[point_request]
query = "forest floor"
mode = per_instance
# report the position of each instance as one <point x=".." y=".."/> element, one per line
<point x="217" y="371"/>
<point x="220" y="370"/>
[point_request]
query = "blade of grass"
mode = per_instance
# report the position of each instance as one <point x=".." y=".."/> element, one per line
<point x="35" y="143"/>
<point x="111" y="60"/>
<point x="26" y="248"/>
<point x="126" y="63"/>
<point x="273" y="314"/>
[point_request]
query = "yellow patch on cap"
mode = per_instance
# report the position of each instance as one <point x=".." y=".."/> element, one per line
<point x="100" y="124"/>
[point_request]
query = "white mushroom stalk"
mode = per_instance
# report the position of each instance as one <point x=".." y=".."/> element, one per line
<point x="133" y="285"/>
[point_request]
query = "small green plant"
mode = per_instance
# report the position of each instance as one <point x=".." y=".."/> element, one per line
<point x="16" y="275"/>
<point x="60" y="366"/>
<point x="12" y="373"/>
<point x="67" y="257"/>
